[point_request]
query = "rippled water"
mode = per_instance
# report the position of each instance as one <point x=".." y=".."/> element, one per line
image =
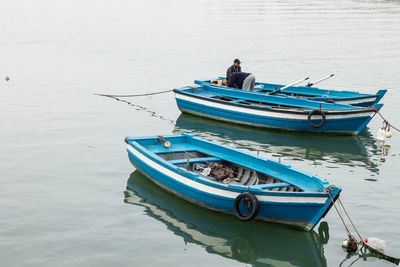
<point x="66" y="183"/>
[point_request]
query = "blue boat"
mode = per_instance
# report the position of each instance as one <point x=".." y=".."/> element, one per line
<point x="273" y="111"/>
<point x="312" y="93"/>
<point x="230" y="181"/>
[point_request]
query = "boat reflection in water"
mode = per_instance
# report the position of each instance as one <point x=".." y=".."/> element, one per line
<point x="344" y="150"/>
<point x="253" y="242"/>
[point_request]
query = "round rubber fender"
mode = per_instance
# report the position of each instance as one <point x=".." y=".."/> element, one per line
<point x="316" y="112"/>
<point x="254" y="205"/>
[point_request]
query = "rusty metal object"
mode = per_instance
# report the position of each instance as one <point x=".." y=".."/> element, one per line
<point x="352" y="244"/>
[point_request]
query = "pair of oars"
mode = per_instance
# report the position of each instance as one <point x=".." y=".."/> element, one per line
<point x="300" y="81"/>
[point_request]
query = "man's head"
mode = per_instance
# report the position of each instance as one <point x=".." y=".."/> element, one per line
<point x="236" y="62"/>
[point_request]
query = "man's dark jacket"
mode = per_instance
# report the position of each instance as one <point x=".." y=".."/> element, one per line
<point x="237" y="79"/>
<point x="232" y="69"/>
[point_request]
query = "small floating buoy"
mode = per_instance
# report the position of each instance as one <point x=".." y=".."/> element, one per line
<point x="7" y="78"/>
<point x="350" y="245"/>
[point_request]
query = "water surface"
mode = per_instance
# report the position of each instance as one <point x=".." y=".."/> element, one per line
<point x="66" y="183"/>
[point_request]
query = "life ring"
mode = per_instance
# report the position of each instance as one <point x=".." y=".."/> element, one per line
<point x="316" y="112"/>
<point x="253" y="203"/>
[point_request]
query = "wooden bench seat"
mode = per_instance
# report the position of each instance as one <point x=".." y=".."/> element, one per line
<point x="194" y="160"/>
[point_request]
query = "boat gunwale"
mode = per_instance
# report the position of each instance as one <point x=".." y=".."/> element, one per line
<point x="306" y="111"/>
<point x="261" y="193"/>
<point x="233" y="188"/>
<point x="356" y="95"/>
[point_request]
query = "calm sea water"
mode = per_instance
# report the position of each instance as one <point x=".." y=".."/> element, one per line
<point x="68" y="194"/>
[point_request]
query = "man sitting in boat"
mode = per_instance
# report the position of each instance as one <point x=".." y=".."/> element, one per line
<point x="234" y="68"/>
<point x="242" y="80"/>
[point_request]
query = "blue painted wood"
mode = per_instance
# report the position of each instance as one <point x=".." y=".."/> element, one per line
<point x="302" y="209"/>
<point x="270" y="186"/>
<point x="315" y="93"/>
<point x="271" y="111"/>
<point x="194" y="160"/>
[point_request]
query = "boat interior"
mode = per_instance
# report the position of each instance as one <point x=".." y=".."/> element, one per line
<point x="247" y="102"/>
<point x="307" y="92"/>
<point x="278" y="102"/>
<point x="253" y="103"/>
<point x="260" y="89"/>
<point x="223" y="171"/>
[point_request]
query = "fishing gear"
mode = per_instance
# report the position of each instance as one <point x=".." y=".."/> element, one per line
<point x="320" y="80"/>
<point x="287" y="86"/>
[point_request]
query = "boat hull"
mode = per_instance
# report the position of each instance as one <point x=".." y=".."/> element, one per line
<point x="299" y="210"/>
<point x="350" y="123"/>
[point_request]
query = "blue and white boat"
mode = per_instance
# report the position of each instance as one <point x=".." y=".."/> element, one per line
<point x="273" y="111"/>
<point x="230" y="181"/>
<point x="313" y="93"/>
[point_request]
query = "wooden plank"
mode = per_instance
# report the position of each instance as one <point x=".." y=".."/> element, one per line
<point x="194" y="160"/>
<point x="270" y="186"/>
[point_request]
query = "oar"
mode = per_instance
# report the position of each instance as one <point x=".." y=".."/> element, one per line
<point x="287" y="86"/>
<point x="320" y="80"/>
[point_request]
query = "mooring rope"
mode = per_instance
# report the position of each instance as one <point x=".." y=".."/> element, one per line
<point x="386" y="121"/>
<point x="380" y="254"/>
<point x="145" y="94"/>
<point x="151" y="112"/>
<point x="348" y="217"/>
<point x="340" y="215"/>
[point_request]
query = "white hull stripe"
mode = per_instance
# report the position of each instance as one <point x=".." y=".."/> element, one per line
<point x="264" y="113"/>
<point x="356" y="101"/>
<point x="216" y="191"/>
